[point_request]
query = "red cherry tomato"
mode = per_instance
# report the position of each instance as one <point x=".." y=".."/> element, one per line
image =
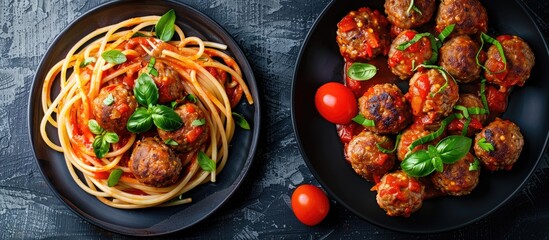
<point x="336" y="103"/>
<point x="310" y="204"/>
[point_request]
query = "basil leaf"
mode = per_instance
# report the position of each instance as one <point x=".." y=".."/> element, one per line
<point x="111" y="137"/>
<point x="114" y="56"/>
<point x="109" y="100"/>
<point x="437" y="164"/>
<point x="173" y="104"/>
<point x="486" y="38"/>
<point x="171" y="142"/>
<point x="476" y="111"/>
<point x="114" y="177"/>
<point x="94" y="127"/>
<point x="140" y="121"/>
<point x="241" y="121"/>
<point x="361" y="71"/>
<point x="165" y="27"/>
<point x="416" y="9"/>
<point x="360" y="119"/>
<point x="463" y="109"/>
<point x="432" y="136"/>
<point x="485" y="145"/>
<point x="166" y="118"/>
<point x="145" y="90"/>
<point x="474" y="166"/>
<point x="384" y="150"/>
<point x="483" y="95"/>
<point x="205" y="162"/>
<point x="138" y="34"/>
<point x="453" y="148"/>
<point x="150" y="67"/>
<point x="465" y="127"/>
<point x="87" y="61"/>
<point x="191" y="98"/>
<point x="417" y="164"/>
<point x="446" y="32"/>
<point x="403" y="46"/>
<point x="100" y="146"/>
<point x="198" y="122"/>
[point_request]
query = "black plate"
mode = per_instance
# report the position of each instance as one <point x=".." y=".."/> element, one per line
<point x="320" y="62"/>
<point x="153" y="221"/>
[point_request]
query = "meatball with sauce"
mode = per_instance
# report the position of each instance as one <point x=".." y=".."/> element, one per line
<point x="469" y="17"/>
<point x="458" y="57"/>
<point x="498" y="145"/>
<point x="402" y="62"/>
<point x="431" y="95"/>
<point x="363" y="34"/>
<point x="113" y="107"/>
<point x="520" y="60"/>
<point x="169" y="83"/>
<point x="154" y="164"/>
<point x="456" y="179"/>
<point x="399" y="194"/>
<point x="408" y="136"/>
<point x="474" y="105"/>
<point x="365" y="157"/>
<point x="402" y="15"/>
<point x="193" y="134"/>
<point x="386" y="106"/>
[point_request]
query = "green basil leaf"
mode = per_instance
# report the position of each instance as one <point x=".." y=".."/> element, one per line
<point x="94" y="127"/>
<point x="198" y="122"/>
<point x="205" y="162"/>
<point x="485" y="145"/>
<point x="416" y="9"/>
<point x="463" y="109"/>
<point x="87" y="61"/>
<point x="453" y="148"/>
<point x="100" y="146"/>
<point x="111" y="137"/>
<point x="145" y="90"/>
<point x="140" y="121"/>
<point x="114" y="177"/>
<point x="191" y="98"/>
<point x="465" y="127"/>
<point x="474" y="166"/>
<point x="432" y="136"/>
<point x="361" y="71"/>
<point x="241" y="121"/>
<point x="109" y="100"/>
<point x="360" y="119"/>
<point x="410" y="7"/>
<point x="486" y="38"/>
<point x="437" y="164"/>
<point x="150" y="67"/>
<point x="384" y="150"/>
<point x="171" y="142"/>
<point x="165" y="27"/>
<point x="114" y="56"/>
<point x="138" y="34"/>
<point x="173" y="104"/>
<point x="417" y="164"/>
<point x="483" y="95"/>
<point x="403" y="46"/>
<point x="446" y="32"/>
<point x="476" y="111"/>
<point x="166" y="118"/>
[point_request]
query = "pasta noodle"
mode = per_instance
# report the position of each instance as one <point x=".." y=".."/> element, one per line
<point x="204" y="71"/>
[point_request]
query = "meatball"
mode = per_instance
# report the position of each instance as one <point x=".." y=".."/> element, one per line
<point x="193" y="134"/>
<point x="113" y="107"/>
<point x="431" y="95"/>
<point x="154" y="164"/>
<point x="401" y="15"/>
<point x="469" y="16"/>
<point x="366" y="158"/>
<point x="408" y="136"/>
<point x="399" y="194"/>
<point x="469" y="101"/>
<point x="387" y="107"/>
<point x="458" y="57"/>
<point x="170" y="85"/>
<point x="498" y="145"/>
<point x="363" y="34"/>
<point x="520" y="60"/>
<point x="456" y="179"/>
<point x="401" y="62"/>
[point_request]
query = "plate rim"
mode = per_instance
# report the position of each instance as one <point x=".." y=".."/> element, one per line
<point x="247" y="71"/>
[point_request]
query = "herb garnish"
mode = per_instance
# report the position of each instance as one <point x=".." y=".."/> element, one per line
<point x="384" y="150"/>
<point x="114" y="56"/>
<point x="114" y="177"/>
<point x="485" y="37"/>
<point x="485" y="145"/>
<point x="240" y="121"/>
<point x="361" y="71"/>
<point x="360" y="119"/>
<point x="109" y="100"/>
<point x="205" y="162"/>
<point x="103" y="139"/>
<point x="165" y="27"/>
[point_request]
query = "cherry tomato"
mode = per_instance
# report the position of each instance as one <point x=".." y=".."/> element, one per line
<point x="310" y="204"/>
<point x="336" y="103"/>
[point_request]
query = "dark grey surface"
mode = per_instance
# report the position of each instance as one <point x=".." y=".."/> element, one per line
<point x="270" y="32"/>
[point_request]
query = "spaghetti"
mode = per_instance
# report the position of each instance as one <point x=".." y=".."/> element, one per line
<point x="99" y="94"/>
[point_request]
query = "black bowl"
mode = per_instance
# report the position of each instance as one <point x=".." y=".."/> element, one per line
<point x="320" y="62"/>
<point x="206" y="198"/>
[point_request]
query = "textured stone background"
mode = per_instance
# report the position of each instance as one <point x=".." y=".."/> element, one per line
<point x="270" y="32"/>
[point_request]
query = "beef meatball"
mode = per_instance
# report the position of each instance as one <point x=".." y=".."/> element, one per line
<point x="399" y="194"/>
<point x="408" y="136"/>
<point x="169" y="83"/>
<point x="362" y="35"/>
<point x="431" y="95"/>
<point x="402" y="62"/>
<point x="366" y="158"/>
<point x="473" y="104"/>
<point x="401" y="15"/>
<point x="498" y="145"/>
<point x="469" y="16"/>
<point x="113" y="107"/>
<point x="520" y="60"/>
<point x="456" y="179"/>
<point x="193" y="134"/>
<point x="154" y="164"/>
<point x="387" y="107"/>
<point x="458" y="57"/>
